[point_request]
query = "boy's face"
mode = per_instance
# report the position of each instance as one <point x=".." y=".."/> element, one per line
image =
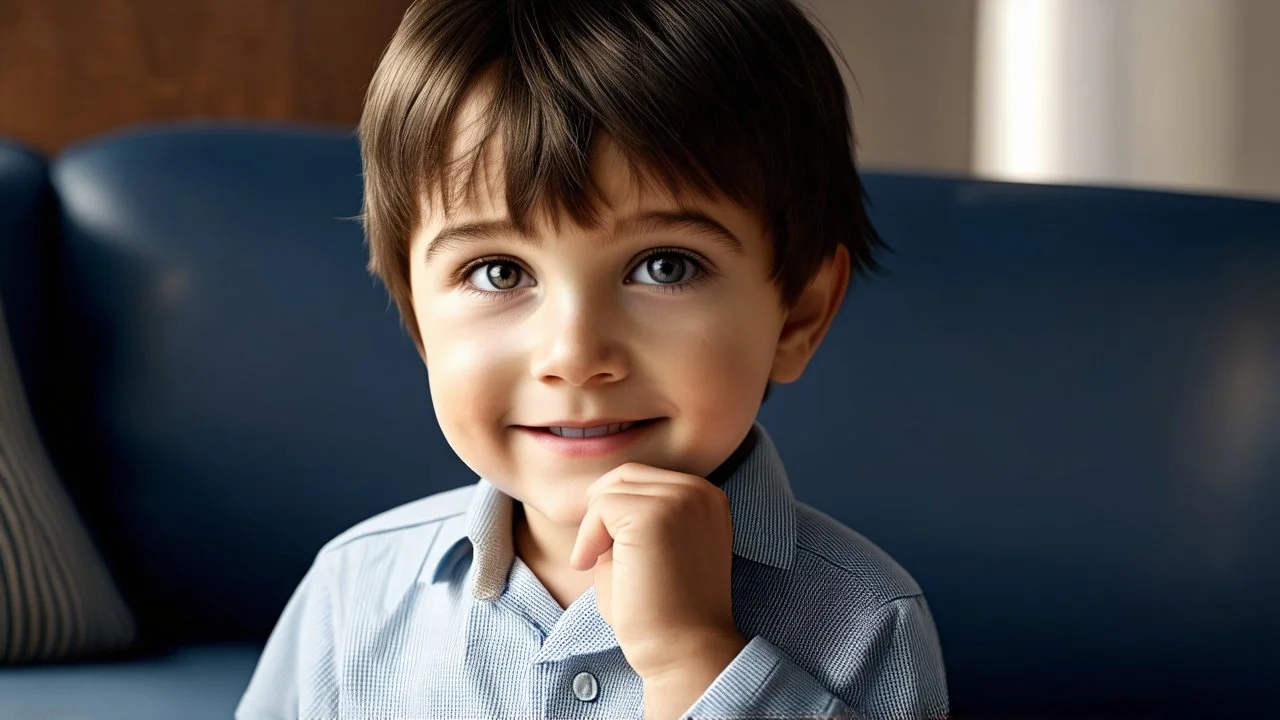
<point x="670" y="326"/>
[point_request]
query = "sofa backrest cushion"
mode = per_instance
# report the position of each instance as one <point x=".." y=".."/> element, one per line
<point x="26" y="227"/>
<point x="248" y="391"/>
<point x="1059" y="408"/>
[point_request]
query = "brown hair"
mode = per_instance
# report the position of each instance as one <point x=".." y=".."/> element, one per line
<point x="737" y="97"/>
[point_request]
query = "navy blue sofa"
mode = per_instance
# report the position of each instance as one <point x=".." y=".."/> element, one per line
<point x="1059" y="408"/>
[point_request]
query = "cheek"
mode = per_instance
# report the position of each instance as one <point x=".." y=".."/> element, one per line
<point x="723" y="364"/>
<point x="472" y="374"/>
<point x="712" y="361"/>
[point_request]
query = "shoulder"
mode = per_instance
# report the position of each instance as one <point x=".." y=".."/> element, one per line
<point x="427" y="513"/>
<point x="850" y="616"/>
<point x="829" y="552"/>
<point x="390" y="549"/>
<point x="358" y="580"/>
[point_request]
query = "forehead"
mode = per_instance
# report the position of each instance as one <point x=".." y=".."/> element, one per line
<point x="477" y="185"/>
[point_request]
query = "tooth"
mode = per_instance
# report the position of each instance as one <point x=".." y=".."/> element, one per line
<point x="597" y="431"/>
<point x="625" y="426"/>
<point x="614" y="428"/>
<point x="574" y="432"/>
<point x="556" y="431"/>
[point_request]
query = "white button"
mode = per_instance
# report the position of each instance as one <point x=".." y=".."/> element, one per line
<point x="585" y="687"/>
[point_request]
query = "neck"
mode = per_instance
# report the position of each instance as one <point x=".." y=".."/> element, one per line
<point x="544" y="546"/>
<point x="731" y="464"/>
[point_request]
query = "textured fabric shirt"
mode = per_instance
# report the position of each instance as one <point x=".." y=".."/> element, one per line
<point x="425" y="612"/>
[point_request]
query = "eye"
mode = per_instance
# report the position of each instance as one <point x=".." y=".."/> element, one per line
<point x="498" y="276"/>
<point x="665" y="267"/>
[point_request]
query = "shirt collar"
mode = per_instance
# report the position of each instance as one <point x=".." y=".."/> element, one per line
<point x="760" y="500"/>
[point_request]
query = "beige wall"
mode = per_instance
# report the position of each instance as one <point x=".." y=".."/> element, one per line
<point x="913" y="63"/>
<point x="1257" y="153"/>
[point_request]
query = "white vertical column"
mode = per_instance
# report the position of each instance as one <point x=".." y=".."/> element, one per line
<point x="1018" y="94"/>
<point x="1106" y="91"/>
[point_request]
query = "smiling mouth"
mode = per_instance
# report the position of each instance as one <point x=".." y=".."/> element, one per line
<point x="594" y="431"/>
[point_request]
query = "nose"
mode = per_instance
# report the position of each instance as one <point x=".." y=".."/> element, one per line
<point x="579" y="344"/>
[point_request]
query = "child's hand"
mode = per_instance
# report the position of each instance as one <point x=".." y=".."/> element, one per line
<point x="662" y="546"/>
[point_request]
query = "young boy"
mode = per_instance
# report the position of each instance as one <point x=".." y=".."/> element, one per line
<point x="609" y="225"/>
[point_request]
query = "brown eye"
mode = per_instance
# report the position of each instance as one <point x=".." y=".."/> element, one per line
<point x="665" y="268"/>
<point x="499" y="276"/>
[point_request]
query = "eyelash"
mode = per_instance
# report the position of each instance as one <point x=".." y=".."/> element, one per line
<point x="464" y="274"/>
<point x="702" y="266"/>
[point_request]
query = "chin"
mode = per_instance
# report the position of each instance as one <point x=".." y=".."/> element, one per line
<point x="563" y="502"/>
<point x="565" y="514"/>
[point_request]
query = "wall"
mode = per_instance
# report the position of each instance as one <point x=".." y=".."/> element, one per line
<point x="1171" y="93"/>
<point x="1257" y="150"/>
<point x="1175" y="93"/>
<point x="912" y="82"/>
<point x="73" y="68"/>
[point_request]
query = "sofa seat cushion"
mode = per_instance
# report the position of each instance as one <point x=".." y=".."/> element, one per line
<point x="202" y="682"/>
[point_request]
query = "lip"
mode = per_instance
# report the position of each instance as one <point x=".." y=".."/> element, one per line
<point x="588" y="447"/>
<point x="588" y="423"/>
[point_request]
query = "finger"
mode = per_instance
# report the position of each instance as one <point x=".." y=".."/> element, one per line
<point x="593" y="539"/>
<point x="603" y="581"/>
<point x="605" y="481"/>
<point x="668" y="492"/>
<point x="593" y="536"/>
<point x="632" y="473"/>
<point x="647" y="489"/>
<point x="609" y="513"/>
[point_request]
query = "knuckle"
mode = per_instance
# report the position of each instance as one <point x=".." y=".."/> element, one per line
<point x="716" y="504"/>
<point x="628" y="469"/>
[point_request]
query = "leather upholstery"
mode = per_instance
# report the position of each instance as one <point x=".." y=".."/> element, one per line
<point x="1060" y="410"/>
<point x="196" y="682"/>
<point x="25" y="231"/>
<point x="247" y="381"/>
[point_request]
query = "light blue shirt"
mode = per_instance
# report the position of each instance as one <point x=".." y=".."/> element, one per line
<point x="425" y="612"/>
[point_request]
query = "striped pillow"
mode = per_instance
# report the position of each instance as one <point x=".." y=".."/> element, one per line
<point x="57" y="599"/>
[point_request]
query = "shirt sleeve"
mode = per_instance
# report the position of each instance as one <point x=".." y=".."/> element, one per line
<point x="296" y="676"/>
<point x="896" y="672"/>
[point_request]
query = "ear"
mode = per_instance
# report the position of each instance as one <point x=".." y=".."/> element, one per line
<point x="810" y="317"/>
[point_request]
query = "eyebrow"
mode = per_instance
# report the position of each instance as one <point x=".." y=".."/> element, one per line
<point x="695" y="221"/>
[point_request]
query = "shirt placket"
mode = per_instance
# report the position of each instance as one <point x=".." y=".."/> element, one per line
<point x="580" y="671"/>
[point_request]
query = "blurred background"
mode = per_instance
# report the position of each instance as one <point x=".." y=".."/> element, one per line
<point x="1181" y="94"/>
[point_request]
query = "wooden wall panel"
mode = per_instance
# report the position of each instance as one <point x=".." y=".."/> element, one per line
<point x="70" y="69"/>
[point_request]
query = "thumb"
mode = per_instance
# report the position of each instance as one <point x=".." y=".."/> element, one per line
<point x="603" y="581"/>
<point x="593" y="539"/>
